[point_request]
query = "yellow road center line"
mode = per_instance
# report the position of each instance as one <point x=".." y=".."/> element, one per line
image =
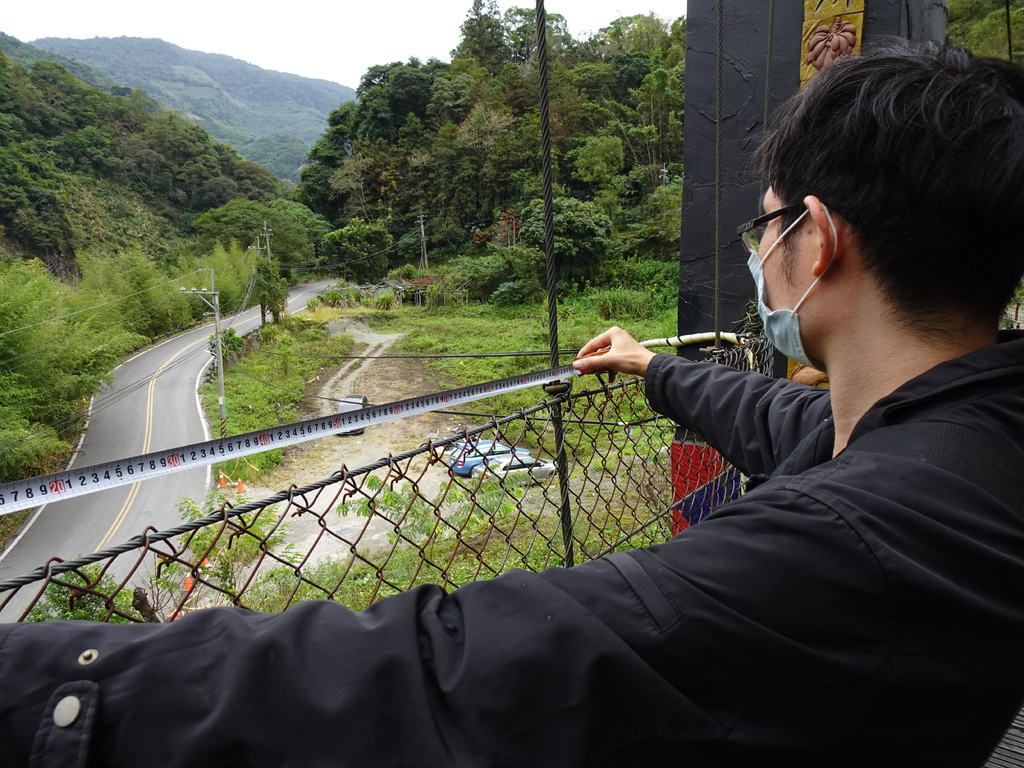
<point x="147" y="439"/>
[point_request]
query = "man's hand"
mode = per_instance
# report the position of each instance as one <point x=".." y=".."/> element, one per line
<point x="616" y="351"/>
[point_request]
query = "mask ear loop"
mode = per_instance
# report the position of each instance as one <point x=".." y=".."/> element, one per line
<point x="782" y="236"/>
<point x="835" y="250"/>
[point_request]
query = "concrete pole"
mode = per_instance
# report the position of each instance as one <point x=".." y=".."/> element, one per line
<point x="424" y="264"/>
<point x="215" y="306"/>
<point x="220" y="363"/>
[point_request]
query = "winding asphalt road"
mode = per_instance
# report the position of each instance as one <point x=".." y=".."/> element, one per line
<point x="150" y="406"/>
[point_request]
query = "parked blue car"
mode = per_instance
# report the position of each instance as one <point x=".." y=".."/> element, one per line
<point x="463" y="457"/>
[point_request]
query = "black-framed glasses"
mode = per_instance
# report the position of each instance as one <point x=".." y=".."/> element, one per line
<point x="752" y="233"/>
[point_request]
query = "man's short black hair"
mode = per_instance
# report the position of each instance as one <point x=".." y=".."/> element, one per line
<point x="921" y="149"/>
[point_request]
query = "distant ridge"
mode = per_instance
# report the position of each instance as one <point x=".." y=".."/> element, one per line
<point x="270" y="117"/>
<point x="13" y="48"/>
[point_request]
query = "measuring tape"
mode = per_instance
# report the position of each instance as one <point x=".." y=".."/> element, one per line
<point x="45" y="489"/>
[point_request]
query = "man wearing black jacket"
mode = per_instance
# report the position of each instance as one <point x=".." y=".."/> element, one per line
<point x="862" y="606"/>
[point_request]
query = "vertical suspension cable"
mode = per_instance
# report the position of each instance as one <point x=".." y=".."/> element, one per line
<point x="1009" y="34"/>
<point x="719" y="54"/>
<point x="546" y="173"/>
<point x="561" y="461"/>
<point x="767" y="89"/>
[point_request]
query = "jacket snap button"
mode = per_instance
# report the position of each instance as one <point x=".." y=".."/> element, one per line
<point x="66" y="711"/>
<point x="88" y="657"/>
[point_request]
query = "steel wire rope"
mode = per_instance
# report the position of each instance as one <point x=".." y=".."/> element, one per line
<point x="288" y="495"/>
<point x="240" y="372"/>
<point x="249" y="284"/>
<point x="561" y="461"/>
<point x="660" y="342"/>
<point x="133" y="387"/>
<point x="38" y="349"/>
<point x="101" y="403"/>
<point x="97" y="306"/>
<point x="769" y="53"/>
<point x="719" y="89"/>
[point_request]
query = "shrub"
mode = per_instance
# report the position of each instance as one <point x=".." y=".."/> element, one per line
<point x="482" y="276"/>
<point x="406" y="272"/>
<point x="624" y="302"/>
<point x="386" y="300"/>
<point x="339" y="298"/>
<point x="516" y="292"/>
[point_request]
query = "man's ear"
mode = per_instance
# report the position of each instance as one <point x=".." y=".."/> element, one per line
<point x="830" y="234"/>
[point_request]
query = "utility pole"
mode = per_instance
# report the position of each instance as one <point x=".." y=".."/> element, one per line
<point x="266" y="233"/>
<point x="215" y="306"/>
<point x="424" y="264"/>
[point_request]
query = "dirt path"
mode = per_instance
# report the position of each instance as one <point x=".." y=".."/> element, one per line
<point x="382" y="381"/>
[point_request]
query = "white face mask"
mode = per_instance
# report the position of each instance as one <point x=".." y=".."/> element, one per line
<point x="782" y="326"/>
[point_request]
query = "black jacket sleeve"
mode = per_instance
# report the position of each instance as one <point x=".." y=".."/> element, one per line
<point x="753" y="420"/>
<point x="633" y="659"/>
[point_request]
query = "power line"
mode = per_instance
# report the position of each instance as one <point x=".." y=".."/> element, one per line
<point x="97" y="306"/>
<point x="315" y="267"/>
<point x="421" y="357"/>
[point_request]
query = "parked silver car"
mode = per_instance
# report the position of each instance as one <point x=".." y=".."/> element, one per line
<point x="502" y="466"/>
<point x="352" y="403"/>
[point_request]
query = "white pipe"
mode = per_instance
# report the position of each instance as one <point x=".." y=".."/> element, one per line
<point x="692" y="338"/>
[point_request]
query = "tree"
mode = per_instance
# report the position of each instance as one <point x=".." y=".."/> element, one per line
<point x="450" y="98"/>
<point x="599" y="159"/>
<point x="640" y="33"/>
<point x="316" y="226"/>
<point x="240" y="220"/>
<point x="521" y="33"/>
<point x="483" y="37"/>
<point x="630" y="71"/>
<point x="50" y="366"/>
<point x="218" y="558"/>
<point x="582" y="235"/>
<point x="270" y="290"/>
<point x="357" y="252"/>
<point x="324" y="159"/>
<point x="388" y="95"/>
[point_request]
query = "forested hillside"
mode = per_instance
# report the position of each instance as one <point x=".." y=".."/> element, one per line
<point x="459" y="144"/>
<point x="270" y="117"/>
<point x="104" y="201"/>
<point x="108" y="202"/>
<point x="28" y="55"/>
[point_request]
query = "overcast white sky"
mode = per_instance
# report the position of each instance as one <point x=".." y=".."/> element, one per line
<point x="334" y="41"/>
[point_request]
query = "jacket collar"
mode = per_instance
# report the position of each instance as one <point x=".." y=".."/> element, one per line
<point x="989" y="369"/>
<point x="994" y="368"/>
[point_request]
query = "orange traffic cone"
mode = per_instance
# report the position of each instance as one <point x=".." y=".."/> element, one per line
<point x="223" y="480"/>
<point x="188" y="583"/>
<point x="241" y="488"/>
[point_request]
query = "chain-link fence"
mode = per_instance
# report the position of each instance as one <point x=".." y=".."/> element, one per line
<point x="452" y="511"/>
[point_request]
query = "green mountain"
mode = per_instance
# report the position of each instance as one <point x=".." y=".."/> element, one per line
<point x="271" y="117"/>
<point x="29" y="54"/>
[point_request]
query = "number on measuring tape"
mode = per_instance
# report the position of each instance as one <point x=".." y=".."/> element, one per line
<point x="24" y="494"/>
